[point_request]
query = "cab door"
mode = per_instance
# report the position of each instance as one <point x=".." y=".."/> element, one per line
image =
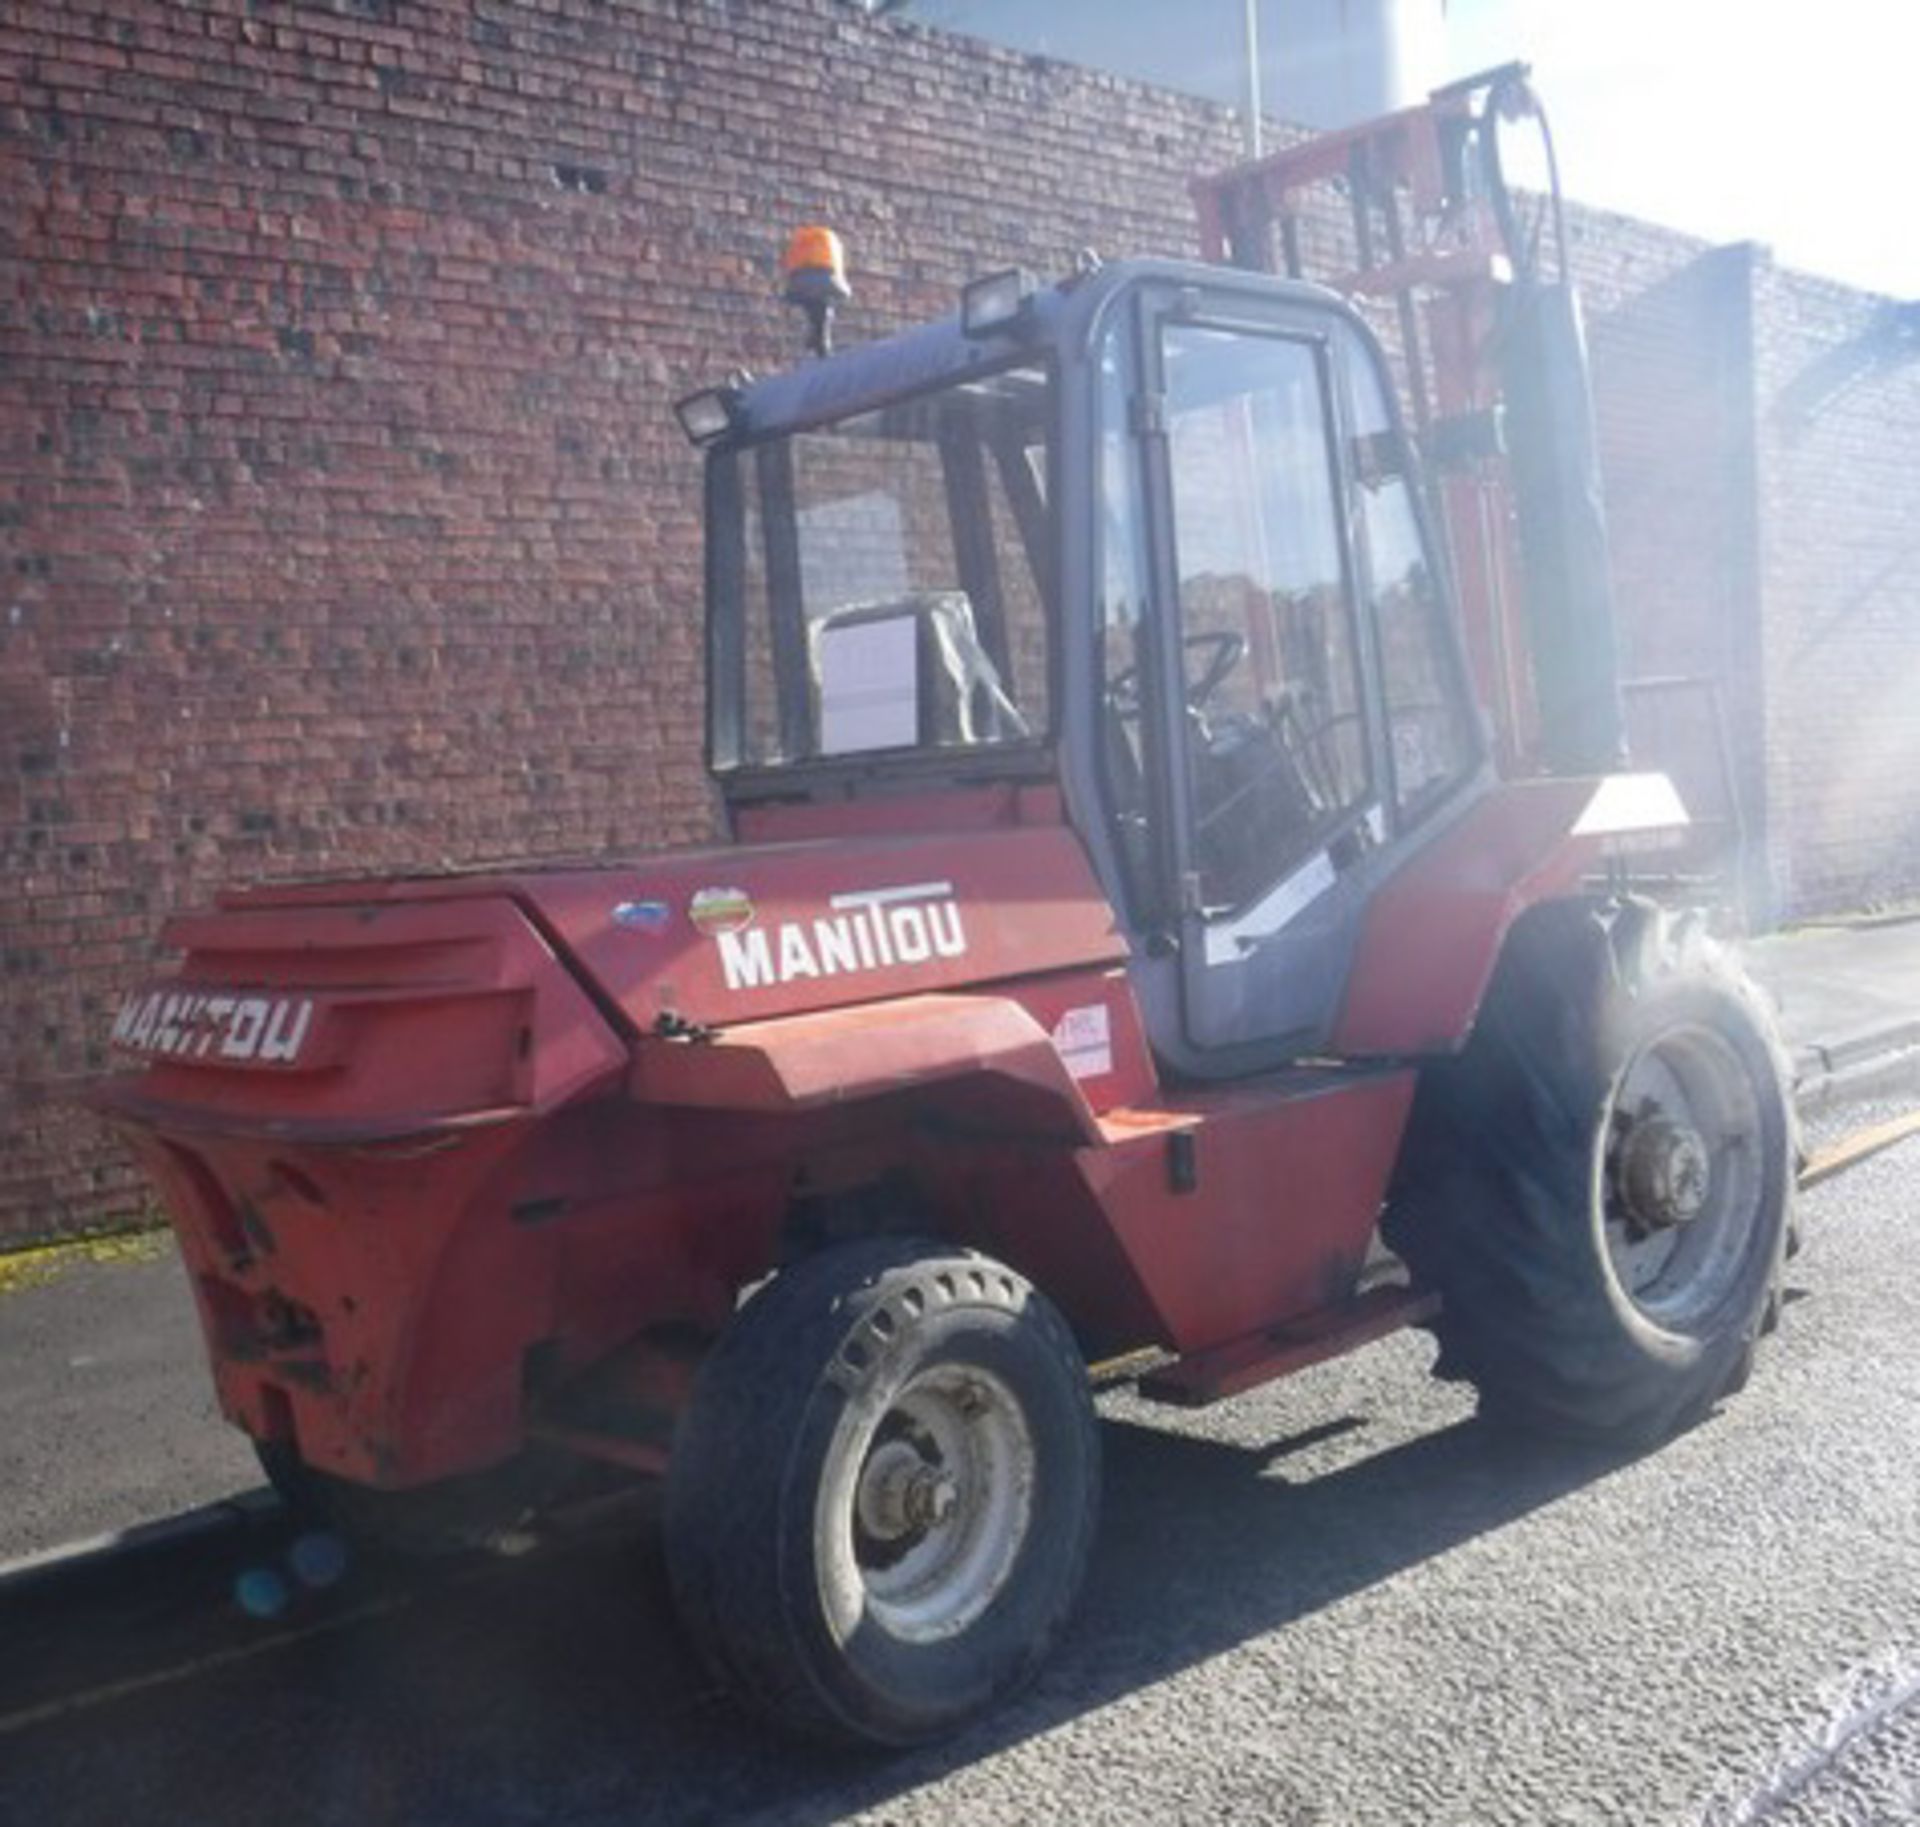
<point x="1274" y="755"/>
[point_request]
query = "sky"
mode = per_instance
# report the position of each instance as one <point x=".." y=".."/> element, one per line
<point x="1789" y="122"/>
<point x="1792" y="124"/>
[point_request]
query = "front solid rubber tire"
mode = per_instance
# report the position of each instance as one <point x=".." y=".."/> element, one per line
<point x="1508" y="1189"/>
<point x="773" y="1459"/>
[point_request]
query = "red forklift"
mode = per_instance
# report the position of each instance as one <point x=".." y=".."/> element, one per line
<point x="1178" y="922"/>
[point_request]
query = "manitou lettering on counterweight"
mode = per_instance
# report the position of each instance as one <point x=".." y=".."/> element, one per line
<point x="870" y="930"/>
<point x="216" y="1025"/>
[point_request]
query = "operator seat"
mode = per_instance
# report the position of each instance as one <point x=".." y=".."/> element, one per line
<point x="958" y="694"/>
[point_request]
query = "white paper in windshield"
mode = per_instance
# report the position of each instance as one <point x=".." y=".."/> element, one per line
<point x="869" y="686"/>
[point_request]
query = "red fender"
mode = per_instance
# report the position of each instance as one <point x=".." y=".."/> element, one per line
<point x="839" y="1056"/>
<point x="1433" y="934"/>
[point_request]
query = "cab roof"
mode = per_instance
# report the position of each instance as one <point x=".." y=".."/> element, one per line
<point x="1064" y="314"/>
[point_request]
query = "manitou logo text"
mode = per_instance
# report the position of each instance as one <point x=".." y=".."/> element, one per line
<point x="216" y="1025"/>
<point x="871" y="930"/>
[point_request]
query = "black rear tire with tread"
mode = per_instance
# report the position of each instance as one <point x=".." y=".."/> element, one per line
<point x="787" y="1417"/>
<point x="1505" y="1189"/>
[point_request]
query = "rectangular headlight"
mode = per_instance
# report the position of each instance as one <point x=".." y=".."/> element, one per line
<point x="994" y="302"/>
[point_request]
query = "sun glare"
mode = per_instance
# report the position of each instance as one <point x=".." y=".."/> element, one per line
<point x="1731" y="120"/>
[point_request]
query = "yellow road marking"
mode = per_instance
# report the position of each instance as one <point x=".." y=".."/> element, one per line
<point x="1851" y="1150"/>
<point x="35" y="1267"/>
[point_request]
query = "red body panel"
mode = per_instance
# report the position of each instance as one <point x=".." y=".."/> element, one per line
<point x="403" y="1017"/>
<point x="1433" y="932"/>
<point x="799" y="1062"/>
<point x="740" y="934"/>
<point x="1289" y="1180"/>
<point x="343" y="1308"/>
<point x="996" y="806"/>
<point x="379" y="1304"/>
<point x="1074" y="1039"/>
<point x="1094" y="1025"/>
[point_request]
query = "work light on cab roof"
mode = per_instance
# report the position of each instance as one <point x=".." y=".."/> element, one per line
<point x="996" y="301"/>
<point x="709" y="413"/>
<point x="815" y="271"/>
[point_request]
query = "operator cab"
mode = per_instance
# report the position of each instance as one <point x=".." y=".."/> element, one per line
<point x="1156" y="537"/>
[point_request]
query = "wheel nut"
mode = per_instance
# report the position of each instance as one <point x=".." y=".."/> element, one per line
<point x="931" y="1497"/>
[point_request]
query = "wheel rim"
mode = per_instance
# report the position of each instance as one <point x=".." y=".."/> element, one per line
<point x="924" y="1522"/>
<point x="1683" y="1176"/>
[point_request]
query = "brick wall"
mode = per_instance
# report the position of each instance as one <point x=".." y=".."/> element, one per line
<point x="343" y="523"/>
<point x="1838" y="428"/>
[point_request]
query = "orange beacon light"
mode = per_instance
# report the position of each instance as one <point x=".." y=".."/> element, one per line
<point x="815" y="268"/>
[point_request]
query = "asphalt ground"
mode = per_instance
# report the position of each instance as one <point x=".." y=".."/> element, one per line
<point x="1339" y="1600"/>
<point x="107" y="1413"/>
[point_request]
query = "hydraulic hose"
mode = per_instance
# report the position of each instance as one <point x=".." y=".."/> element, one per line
<point x="1511" y="97"/>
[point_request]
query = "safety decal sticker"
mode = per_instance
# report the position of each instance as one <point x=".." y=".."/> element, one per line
<point x="1084" y="1039"/>
<point x="720" y="910"/>
<point x="642" y="916"/>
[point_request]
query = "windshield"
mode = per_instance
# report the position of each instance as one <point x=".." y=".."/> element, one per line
<point x="879" y="584"/>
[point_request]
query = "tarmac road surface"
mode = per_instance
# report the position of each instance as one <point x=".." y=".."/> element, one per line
<point x="1338" y="1601"/>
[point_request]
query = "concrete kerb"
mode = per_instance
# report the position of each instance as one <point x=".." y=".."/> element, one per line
<point x="249" y="1512"/>
<point x="1881" y="1063"/>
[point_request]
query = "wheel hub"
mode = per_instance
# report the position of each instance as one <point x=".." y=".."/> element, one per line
<point x="1664" y="1173"/>
<point x="902" y="1494"/>
<point x="936" y="1512"/>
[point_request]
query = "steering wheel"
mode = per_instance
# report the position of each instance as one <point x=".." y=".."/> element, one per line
<point x="1123" y="689"/>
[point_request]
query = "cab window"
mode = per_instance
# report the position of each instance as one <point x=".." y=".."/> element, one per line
<point x="1431" y="737"/>
<point x="1277" y="744"/>
<point x="877" y="585"/>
